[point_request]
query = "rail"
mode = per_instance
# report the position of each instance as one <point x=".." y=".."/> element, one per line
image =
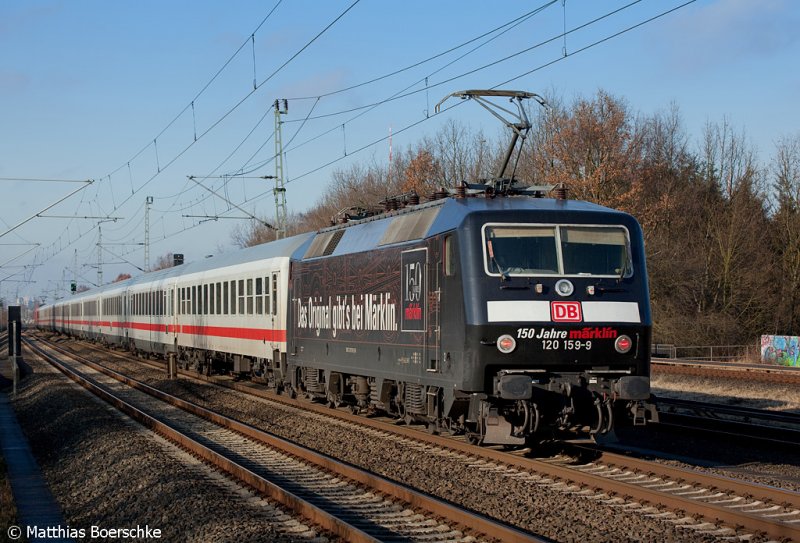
<point x="414" y="499"/>
<point x="754" y="424"/>
<point x="750" y="498"/>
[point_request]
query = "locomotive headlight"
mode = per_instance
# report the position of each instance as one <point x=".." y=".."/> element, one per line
<point x="506" y="343"/>
<point x="623" y="344"/>
<point x="564" y="287"/>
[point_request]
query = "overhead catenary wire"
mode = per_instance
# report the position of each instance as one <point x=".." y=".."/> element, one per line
<point x="351" y="152"/>
<point x="544" y="65"/>
<point x="418" y="122"/>
<point x="160" y="169"/>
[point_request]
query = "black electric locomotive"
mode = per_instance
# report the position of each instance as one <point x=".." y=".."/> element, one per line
<point x="506" y="317"/>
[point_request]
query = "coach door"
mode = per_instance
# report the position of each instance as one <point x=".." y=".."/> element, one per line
<point x="273" y="308"/>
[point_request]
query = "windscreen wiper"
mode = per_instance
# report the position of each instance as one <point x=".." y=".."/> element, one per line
<point x="489" y="247"/>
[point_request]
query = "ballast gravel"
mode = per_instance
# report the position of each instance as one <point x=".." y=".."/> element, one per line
<point x="108" y="473"/>
<point x="92" y="485"/>
<point x="540" y="506"/>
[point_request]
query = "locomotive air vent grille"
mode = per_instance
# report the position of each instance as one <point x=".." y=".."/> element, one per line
<point x="410" y="226"/>
<point x="318" y="246"/>
<point x="335" y="239"/>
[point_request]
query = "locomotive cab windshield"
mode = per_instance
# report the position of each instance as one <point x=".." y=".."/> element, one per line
<point x="575" y="250"/>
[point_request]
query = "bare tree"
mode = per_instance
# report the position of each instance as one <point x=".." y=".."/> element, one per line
<point x="594" y="148"/>
<point x="786" y="173"/>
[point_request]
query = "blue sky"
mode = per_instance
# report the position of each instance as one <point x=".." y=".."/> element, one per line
<point x="104" y="91"/>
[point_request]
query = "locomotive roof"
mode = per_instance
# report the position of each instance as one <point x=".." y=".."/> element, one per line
<point x="410" y="224"/>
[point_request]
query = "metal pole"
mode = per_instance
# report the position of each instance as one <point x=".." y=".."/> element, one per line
<point x="99" y="256"/>
<point x="279" y="191"/>
<point x="147" y="203"/>
<point x="14" y="368"/>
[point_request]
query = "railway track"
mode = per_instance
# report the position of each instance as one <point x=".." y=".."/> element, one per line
<point x="350" y="503"/>
<point x="756" y="424"/>
<point x="724" y="507"/>
<point x="743" y="372"/>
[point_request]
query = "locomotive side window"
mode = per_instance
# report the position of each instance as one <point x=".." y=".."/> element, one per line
<point x="449" y="256"/>
<point x="535" y="250"/>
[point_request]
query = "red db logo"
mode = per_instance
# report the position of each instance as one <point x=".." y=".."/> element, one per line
<point x="566" y="311"/>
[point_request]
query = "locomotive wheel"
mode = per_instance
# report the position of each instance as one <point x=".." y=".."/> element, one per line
<point x="474" y="433"/>
<point x="334" y="400"/>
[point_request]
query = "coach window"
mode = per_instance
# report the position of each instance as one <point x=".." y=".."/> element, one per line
<point x="267" y="307"/>
<point x="241" y="296"/>
<point x="205" y="299"/>
<point x="259" y="297"/>
<point x="219" y="298"/>
<point x="211" y="299"/>
<point x="274" y="293"/>
<point x="193" y="297"/>
<point x="249" y="296"/>
<point x="225" y="298"/>
<point x="233" y="297"/>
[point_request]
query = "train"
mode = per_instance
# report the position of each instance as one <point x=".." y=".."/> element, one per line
<point x="490" y="311"/>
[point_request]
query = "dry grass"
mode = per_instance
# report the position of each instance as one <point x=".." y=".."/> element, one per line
<point x="8" y="511"/>
<point x="760" y="396"/>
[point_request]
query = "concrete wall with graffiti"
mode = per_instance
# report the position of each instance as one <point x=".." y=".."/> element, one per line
<point x="782" y="350"/>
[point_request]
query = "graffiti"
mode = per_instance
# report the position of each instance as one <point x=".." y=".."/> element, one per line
<point x="781" y="350"/>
